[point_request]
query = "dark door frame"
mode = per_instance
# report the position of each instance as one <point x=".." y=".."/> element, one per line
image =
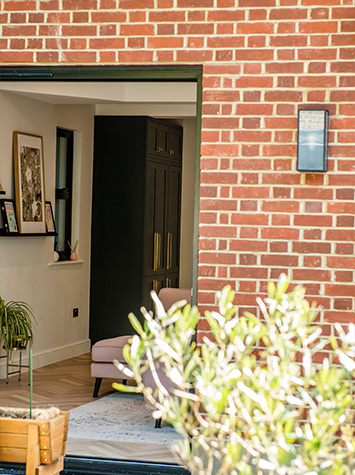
<point x="188" y="73"/>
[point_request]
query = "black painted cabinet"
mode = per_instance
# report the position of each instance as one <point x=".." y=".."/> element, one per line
<point x="136" y="213"/>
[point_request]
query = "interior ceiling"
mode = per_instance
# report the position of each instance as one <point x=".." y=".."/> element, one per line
<point x="163" y="99"/>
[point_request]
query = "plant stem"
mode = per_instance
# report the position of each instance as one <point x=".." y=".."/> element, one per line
<point x="30" y="383"/>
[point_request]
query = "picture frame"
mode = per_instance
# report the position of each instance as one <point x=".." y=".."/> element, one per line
<point x="9" y="216"/>
<point x="29" y="183"/>
<point x="50" y="223"/>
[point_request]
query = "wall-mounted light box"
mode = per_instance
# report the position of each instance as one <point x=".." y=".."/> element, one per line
<point x="312" y="140"/>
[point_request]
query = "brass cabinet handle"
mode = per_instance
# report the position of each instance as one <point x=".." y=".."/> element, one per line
<point x="169" y="251"/>
<point x="157" y="252"/>
<point x="171" y="152"/>
<point x="155" y="255"/>
<point x="168" y="282"/>
<point x="155" y="285"/>
<point x="159" y="149"/>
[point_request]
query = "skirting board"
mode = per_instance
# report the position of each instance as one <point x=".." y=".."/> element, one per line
<point x="48" y="357"/>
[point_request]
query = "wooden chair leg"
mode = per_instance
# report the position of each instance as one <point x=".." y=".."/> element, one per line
<point x="124" y="381"/>
<point x="158" y="423"/>
<point x="97" y="387"/>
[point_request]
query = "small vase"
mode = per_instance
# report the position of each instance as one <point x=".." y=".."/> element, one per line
<point x="73" y="256"/>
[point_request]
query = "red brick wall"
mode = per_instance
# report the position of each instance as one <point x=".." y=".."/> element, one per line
<point x="263" y="59"/>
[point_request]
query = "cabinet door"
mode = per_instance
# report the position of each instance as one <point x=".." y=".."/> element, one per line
<point x="158" y="139"/>
<point x="154" y="235"/>
<point x="173" y="220"/>
<point x="175" y="143"/>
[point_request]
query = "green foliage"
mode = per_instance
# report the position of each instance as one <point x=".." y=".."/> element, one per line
<point x="259" y="395"/>
<point x="16" y="322"/>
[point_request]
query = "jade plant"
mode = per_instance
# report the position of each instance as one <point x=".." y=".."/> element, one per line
<point x="16" y="325"/>
<point x="266" y="393"/>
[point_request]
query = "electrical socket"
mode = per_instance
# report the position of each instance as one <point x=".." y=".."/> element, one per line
<point x="75" y="312"/>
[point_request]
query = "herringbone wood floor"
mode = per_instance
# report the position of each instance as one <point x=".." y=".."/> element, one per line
<point x="69" y="384"/>
<point x="66" y="385"/>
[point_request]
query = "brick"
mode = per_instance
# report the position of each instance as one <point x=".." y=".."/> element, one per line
<point x="218" y="231"/>
<point x="311" y="247"/>
<point x="318" y="27"/>
<point x="135" y="56"/>
<point x="254" y="55"/>
<point x="225" y="42"/>
<point x="78" y="57"/>
<point x="257" y="3"/>
<point x="80" y="5"/>
<point x="284" y="68"/>
<point x="248" y="273"/>
<point x="344" y="276"/>
<point x="344" y="248"/>
<point x="340" y="290"/>
<point x="281" y="178"/>
<point x="341" y="13"/>
<point x="108" y="17"/>
<point x="217" y="258"/>
<point x="207" y="271"/>
<point x="343" y="304"/>
<point x="337" y="262"/>
<point x="316" y="275"/>
<point x="247" y="246"/>
<point x="312" y="261"/>
<point x="19" y="5"/>
<point x="195" y="29"/>
<point x="79" y="30"/>
<point x="317" y="54"/>
<point x="207" y="244"/>
<point x="250" y="192"/>
<point x="279" y="260"/>
<point x="288" y="14"/>
<point x="341" y="208"/>
<point x="17" y="57"/>
<point x="220" y="122"/>
<point x="254" y="109"/>
<point x="288" y="41"/>
<point x="220" y="149"/>
<point x="283" y="96"/>
<point x="230" y="205"/>
<point x="254" y="82"/>
<point x="280" y="206"/>
<point x="343" y="40"/>
<point x="252" y="136"/>
<point x="137" y="29"/>
<point x="252" y="219"/>
<point x="340" y="235"/>
<point x="345" y="194"/>
<point x="313" y="220"/>
<point x="166" y="42"/>
<point x="248" y="164"/>
<point x="279" y="233"/>
<point x="317" y="81"/>
<point x="136" y="4"/>
<point x="23" y="30"/>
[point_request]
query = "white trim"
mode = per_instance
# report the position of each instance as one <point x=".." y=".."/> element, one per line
<point x="49" y="357"/>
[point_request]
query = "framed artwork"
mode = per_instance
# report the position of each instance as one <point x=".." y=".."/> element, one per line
<point x="50" y="224"/>
<point x="9" y="216"/>
<point x="29" y="183"/>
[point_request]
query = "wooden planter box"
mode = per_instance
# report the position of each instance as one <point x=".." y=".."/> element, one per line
<point x="39" y="444"/>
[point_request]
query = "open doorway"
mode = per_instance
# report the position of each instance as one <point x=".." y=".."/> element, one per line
<point x="67" y="97"/>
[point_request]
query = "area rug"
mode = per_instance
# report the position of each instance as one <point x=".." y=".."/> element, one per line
<point x="119" y="417"/>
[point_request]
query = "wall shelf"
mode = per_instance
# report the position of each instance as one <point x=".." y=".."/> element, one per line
<point x="4" y="234"/>
<point x="64" y="263"/>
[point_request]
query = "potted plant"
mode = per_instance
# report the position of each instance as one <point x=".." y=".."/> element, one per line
<point x="16" y="322"/>
<point x="265" y="394"/>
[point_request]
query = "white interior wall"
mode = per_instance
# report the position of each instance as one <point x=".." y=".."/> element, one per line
<point x="52" y="291"/>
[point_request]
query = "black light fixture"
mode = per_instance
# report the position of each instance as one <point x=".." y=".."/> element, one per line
<point x="312" y="140"/>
